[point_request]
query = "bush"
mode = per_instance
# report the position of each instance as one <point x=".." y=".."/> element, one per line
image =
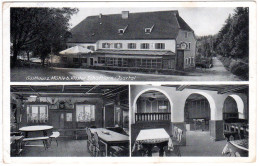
<point x="236" y="67"/>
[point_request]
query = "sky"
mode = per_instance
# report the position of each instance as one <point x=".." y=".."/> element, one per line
<point x="204" y="21"/>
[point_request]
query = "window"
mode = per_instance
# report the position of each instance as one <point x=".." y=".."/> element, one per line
<point x="118" y="45"/>
<point x="101" y="59"/>
<point x="189" y="45"/>
<point x="132" y="45"/>
<point x="147" y="30"/>
<point x="37" y="114"/>
<point x="159" y="46"/>
<point x="186" y="34"/>
<point x="186" y="60"/>
<point x="85" y="113"/>
<point x="105" y="45"/>
<point x="68" y="117"/>
<point x="144" y="45"/>
<point x="125" y="62"/>
<point x="192" y="60"/>
<point x="120" y="31"/>
<point x="119" y="61"/>
<point x="84" y="60"/>
<point x="75" y="60"/>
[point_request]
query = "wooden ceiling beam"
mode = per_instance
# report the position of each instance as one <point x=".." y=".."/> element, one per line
<point x="182" y="87"/>
<point x="94" y="87"/>
<point x="232" y="89"/>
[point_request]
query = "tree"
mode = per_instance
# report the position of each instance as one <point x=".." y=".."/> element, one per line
<point x="233" y="38"/>
<point x="41" y="30"/>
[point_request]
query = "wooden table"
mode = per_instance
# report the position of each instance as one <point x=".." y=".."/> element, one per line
<point x="111" y="138"/>
<point x="153" y="137"/>
<point x="43" y="128"/>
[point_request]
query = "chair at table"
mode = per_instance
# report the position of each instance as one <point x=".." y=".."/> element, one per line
<point x="119" y="151"/>
<point x="55" y="135"/>
<point x="176" y="141"/>
<point x="90" y="142"/>
<point x="16" y="145"/>
<point x="100" y="147"/>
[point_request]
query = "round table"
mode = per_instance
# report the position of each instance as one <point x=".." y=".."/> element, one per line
<point x="43" y="128"/>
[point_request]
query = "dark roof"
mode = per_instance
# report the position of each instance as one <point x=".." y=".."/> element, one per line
<point x="135" y="52"/>
<point x="166" y="26"/>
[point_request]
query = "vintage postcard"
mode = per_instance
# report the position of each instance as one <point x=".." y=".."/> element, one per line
<point x="129" y="82"/>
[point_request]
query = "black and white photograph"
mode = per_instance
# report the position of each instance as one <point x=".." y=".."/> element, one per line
<point x="69" y="121"/>
<point x="129" y="44"/>
<point x="189" y="120"/>
<point x="129" y="82"/>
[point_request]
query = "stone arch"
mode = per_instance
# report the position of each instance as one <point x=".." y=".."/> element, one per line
<point x="151" y="89"/>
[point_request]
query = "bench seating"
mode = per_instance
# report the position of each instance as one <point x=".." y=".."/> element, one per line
<point x="55" y="135"/>
<point x="43" y="139"/>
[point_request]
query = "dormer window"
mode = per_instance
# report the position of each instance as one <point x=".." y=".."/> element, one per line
<point x="122" y="31"/>
<point x="148" y="30"/>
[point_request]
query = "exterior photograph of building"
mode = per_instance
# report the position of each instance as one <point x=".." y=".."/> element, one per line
<point x="159" y="40"/>
<point x="130" y="44"/>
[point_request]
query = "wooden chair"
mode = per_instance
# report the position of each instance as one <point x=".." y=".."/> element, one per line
<point x="119" y="151"/>
<point x="176" y="141"/>
<point x="54" y="135"/>
<point x="100" y="147"/>
<point x="90" y="142"/>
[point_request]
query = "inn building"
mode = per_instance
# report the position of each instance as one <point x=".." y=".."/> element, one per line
<point x="159" y="40"/>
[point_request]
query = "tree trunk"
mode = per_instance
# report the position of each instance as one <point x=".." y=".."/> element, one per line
<point x="43" y="60"/>
<point x="28" y="56"/>
<point x="14" y="58"/>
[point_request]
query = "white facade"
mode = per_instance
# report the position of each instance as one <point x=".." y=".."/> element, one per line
<point x="170" y="45"/>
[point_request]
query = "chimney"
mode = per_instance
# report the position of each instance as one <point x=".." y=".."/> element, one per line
<point x="100" y="15"/>
<point x="125" y="14"/>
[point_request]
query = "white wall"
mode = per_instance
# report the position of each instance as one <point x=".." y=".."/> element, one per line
<point x="169" y="44"/>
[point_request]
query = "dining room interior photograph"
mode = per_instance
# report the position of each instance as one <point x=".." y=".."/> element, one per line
<point x="69" y="120"/>
<point x="189" y="120"/>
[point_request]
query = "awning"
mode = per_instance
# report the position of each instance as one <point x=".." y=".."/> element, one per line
<point x="76" y="50"/>
<point x="136" y="52"/>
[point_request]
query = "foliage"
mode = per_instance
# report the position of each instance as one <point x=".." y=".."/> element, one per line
<point x="205" y="45"/>
<point x="40" y="30"/>
<point x="233" y="39"/>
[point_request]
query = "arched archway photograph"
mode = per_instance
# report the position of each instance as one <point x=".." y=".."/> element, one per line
<point x="189" y="120"/>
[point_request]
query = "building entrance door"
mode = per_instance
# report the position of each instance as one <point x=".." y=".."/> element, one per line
<point x="180" y="60"/>
<point x="91" y="61"/>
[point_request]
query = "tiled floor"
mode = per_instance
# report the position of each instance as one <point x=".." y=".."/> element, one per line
<point x="199" y="143"/>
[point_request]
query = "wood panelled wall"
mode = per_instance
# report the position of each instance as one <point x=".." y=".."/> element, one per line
<point x="230" y="105"/>
<point x="197" y="109"/>
<point x="145" y="105"/>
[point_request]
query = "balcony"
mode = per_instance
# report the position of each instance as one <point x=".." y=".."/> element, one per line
<point x="156" y="116"/>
